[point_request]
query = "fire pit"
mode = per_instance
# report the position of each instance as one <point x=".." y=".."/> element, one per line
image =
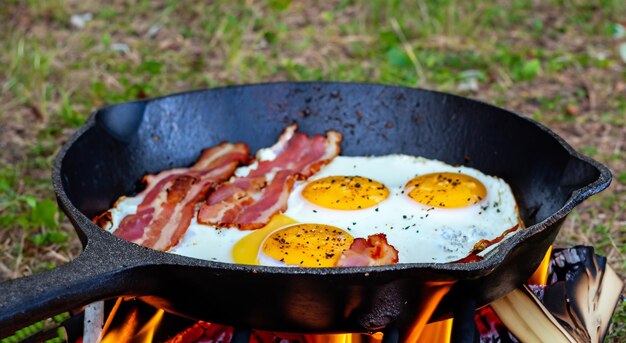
<point x="562" y="286"/>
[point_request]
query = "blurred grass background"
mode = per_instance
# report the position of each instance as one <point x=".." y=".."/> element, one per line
<point x="561" y="62"/>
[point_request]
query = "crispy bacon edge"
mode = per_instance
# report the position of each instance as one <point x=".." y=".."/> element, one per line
<point x="484" y="244"/>
<point x="170" y="197"/>
<point x="249" y="202"/>
<point x="375" y="251"/>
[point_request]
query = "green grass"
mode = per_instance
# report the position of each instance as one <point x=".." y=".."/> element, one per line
<point x="556" y="61"/>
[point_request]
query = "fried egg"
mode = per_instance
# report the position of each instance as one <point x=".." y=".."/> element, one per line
<point x="430" y="211"/>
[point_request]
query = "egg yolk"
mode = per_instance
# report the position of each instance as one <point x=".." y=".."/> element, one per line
<point x="345" y="192"/>
<point x="246" y="250"/>
<point x="446" y="190"/>
<point x="307" y="245"/>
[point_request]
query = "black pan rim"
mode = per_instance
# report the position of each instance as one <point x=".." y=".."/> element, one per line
<point x="491" y="261"/>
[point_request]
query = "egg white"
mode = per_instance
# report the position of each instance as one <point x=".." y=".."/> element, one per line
<point x="420" y="233"/>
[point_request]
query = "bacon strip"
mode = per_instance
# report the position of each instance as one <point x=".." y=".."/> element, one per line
<point x="375" y="251"/>
<point x="170" y="197"/>
<point x="300" y="154"/>
<point x="249" y="202"/>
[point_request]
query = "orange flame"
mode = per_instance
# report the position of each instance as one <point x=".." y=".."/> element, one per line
<point x="130" y="331"/>
<point x="125" y="332"/>
<point x="420" y="331"/>
<point x="112" y="314"/>
<point x="433" y="293"/>
<point x="147" y="332"/>
<point x="440" y="331"/>
<point x="337" y="338"/>
<point x="376" y="337"/>
<point x="540" y="277"/>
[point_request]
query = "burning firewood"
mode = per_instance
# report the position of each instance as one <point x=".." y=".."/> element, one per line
<point x="576" y="305"/>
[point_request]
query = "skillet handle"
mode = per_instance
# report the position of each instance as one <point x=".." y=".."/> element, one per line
<point x="88" y="278"/>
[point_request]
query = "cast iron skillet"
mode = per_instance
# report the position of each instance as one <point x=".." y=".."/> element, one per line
<point x="121" y="143"/>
